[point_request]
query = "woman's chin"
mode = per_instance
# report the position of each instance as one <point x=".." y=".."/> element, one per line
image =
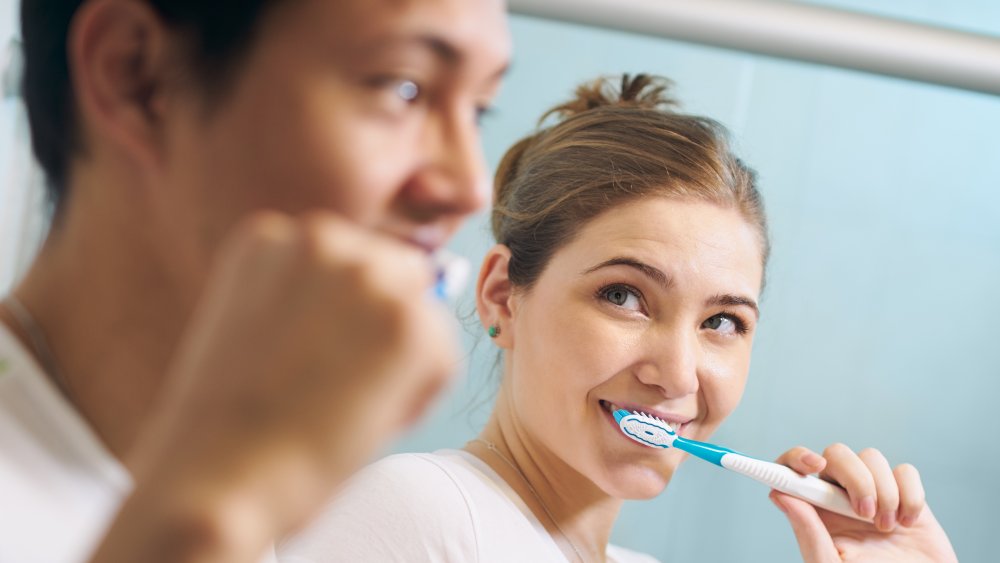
<point x="638" y="483"/>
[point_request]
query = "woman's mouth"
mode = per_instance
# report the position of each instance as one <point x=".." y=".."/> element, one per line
<point x="672" y="420"/>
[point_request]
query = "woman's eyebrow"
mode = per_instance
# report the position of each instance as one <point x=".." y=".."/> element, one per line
<point x="664" y="281"/>
<point x="734" y="300"/>
<point x="651" y="272"/>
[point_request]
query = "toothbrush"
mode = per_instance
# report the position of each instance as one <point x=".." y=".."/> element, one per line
<point x="655" y="433"/>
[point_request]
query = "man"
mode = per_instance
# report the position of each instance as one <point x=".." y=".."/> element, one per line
<point x="230" y="313"/>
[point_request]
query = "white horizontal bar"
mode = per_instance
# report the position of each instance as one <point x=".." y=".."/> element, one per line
<point x="798" y="31"/>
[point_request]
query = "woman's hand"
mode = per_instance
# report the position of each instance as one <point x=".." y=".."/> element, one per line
<point x="904" y="528"/>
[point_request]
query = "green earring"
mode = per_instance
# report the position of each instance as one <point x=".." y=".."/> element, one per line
<point x="493" y="331"/>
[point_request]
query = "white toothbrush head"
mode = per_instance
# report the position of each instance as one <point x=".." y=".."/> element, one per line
<point x="645" y="429"/>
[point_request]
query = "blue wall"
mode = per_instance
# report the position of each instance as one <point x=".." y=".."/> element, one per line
<point x="881" y="322"/>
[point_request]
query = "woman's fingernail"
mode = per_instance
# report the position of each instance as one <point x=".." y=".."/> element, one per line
<point x="866" y="507"/>
<point x="812" y="459"/>
<point x="906" y="520"/>
<point x="887" y="521"/>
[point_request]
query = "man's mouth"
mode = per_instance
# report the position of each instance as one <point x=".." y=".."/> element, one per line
<point x="430" y="237"/>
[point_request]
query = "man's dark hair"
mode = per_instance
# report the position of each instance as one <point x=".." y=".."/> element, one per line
<point x="219" y="33"/>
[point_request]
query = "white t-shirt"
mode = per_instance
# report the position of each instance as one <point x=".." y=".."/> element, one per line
<point x="60" y="488"/>
<point x="448" y="506"/>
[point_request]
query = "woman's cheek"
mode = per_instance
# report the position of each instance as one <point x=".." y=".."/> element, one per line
<point x="723" y="380"/>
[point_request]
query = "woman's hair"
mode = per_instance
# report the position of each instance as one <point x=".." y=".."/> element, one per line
<point x="611" y="146"/>
<point x="218" y="33"/>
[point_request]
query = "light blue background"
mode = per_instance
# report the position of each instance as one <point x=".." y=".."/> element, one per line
<point x="881" y="321"/>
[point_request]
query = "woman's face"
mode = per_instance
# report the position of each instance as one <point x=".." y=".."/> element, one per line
<point x="651" y="307"/>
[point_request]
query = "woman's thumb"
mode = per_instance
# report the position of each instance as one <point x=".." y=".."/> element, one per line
<point x="815" y="542"/>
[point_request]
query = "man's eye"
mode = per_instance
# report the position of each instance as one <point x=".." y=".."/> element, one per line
<point x="407" y="90"/>
<point x="483" y="112"/>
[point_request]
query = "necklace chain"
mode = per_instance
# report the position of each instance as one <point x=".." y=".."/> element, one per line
<point x="489" y="445"/>
<point x="36" y="337"/>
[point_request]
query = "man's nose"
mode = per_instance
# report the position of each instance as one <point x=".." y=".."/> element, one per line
<point x="452" y="178"/>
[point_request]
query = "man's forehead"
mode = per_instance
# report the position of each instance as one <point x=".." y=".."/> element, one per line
<point x="451" y="30"/>
<point x="458" y="20"/>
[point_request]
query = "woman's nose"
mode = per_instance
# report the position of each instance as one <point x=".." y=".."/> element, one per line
<point x="672" y="365"/>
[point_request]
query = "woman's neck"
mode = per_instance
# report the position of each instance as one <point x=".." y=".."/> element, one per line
<point x="578" y="514"/>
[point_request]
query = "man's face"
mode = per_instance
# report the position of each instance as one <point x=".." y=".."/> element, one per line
<point x="364" y="108"/>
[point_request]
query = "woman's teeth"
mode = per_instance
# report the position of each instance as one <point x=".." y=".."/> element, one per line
<point x="611" y="408"/>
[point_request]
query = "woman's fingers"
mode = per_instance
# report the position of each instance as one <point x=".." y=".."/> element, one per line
<point x="814" y="540"/>
<point x="803" y="460"/>
<point x="847" y="469"/>
<point x="911" y="494"/>
<point x="886" y="489"/>
<point x="887" y="496"/>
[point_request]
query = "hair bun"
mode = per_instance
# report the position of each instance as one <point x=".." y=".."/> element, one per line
<point x="643" y="91"/>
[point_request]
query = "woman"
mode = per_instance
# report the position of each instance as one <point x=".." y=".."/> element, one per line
<point x="630" y="258"/>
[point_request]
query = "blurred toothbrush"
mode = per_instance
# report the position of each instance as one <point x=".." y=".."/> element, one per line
<point x="451" y="272"/>
<point x="655" y="433"/>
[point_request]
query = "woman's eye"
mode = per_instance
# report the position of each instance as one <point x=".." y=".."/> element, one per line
<point x="622" y="297"/>
<point x="724" y="324"/>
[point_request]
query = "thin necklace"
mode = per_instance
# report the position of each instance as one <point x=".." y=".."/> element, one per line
<point x="493" y="448"/>
<point x="36" y="337"/>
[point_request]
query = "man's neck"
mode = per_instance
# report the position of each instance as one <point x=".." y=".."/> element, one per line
<point x="111" y="318"/>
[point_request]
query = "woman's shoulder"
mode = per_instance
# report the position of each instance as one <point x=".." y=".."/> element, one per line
<point x="400" y="508"/>
<point x="408" y="469"/>
<point x="421" y="481"/>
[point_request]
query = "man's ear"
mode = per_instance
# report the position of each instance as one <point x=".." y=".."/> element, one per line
<point x="494" y="297"/>
<point x="119" y="64"/>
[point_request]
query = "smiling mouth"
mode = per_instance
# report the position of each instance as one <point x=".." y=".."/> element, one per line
<point x="610" y="408"/>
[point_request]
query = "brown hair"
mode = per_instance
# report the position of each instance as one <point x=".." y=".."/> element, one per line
<point x="609" y="147"/>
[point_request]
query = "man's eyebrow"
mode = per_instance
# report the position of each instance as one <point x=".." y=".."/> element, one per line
<point x="438" y="45"/>
<point x="441" y="47"/>
<point x="651" y="272"/>
<point x="734" y="300"/>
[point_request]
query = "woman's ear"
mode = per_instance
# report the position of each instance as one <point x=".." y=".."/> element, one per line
<point x="494" y="294"/>
<point x="119" y="64"/>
